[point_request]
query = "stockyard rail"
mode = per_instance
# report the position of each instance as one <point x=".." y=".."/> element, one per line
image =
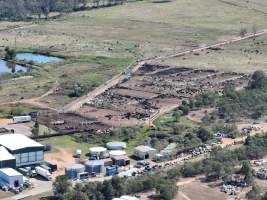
<point x="58" y="134"/>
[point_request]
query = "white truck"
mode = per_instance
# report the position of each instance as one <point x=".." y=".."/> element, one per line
<point x="44" y="173"/>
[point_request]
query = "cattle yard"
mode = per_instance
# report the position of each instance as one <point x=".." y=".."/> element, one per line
<point x="153" y="89"/>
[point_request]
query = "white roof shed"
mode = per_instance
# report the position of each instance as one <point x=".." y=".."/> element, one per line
<point x="15" y="142"/>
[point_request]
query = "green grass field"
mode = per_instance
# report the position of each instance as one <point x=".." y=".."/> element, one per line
<point x="246" y="56"/>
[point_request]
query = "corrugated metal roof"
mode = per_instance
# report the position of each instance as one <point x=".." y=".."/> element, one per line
<point x="10" y="172"/>
<point x="143" y="148"/>
<point x="17" y="141"/>
<point x="5" y="155"/>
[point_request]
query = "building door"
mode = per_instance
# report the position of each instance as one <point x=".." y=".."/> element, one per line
<point x="16" y="183"/>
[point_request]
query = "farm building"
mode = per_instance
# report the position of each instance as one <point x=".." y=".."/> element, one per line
<point x="25" y="150"/>
<point x="144" y="152"/>
<point x="6" y="159"/>
<point x="11" y="177"/>
<point x="122" y="160"/>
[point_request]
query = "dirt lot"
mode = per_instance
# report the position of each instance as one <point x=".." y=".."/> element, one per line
<point x="197" y="116"/>
<point x="229" y="141"/>
<point x="62" y="157"/>
<point x="153" y="88"/>
<point x="69" y="122"/>
<point x="197" y="190"/>
<point x="6" y="121"/>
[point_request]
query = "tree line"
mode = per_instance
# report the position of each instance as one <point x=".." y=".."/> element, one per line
<point x="165" y="187"/>
<point x="28" y="9"/>
<point x="233" y="105"/>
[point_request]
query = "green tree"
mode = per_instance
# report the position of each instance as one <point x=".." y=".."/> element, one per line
<point x="254" y="193"/>
<point x="259" y="80"/>
<point x="204" y="134"/>
<point x="61" y="185"/>
<point x="167" y="189"/>
<point x="249" y="178"/>
<point x="10" y="54"/>
<point x="107" y="190"/>
<point x="118" y="185"/>
<point x="35" y="130"/>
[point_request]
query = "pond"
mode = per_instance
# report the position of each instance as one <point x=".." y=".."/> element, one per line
<point x="8" y="67"/>
<point x="37" y="58"/>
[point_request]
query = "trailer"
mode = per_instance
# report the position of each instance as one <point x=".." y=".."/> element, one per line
<point x="22" y="119"/>
<point x="44" y="173"/>
<point x="47" y="168"/>
<point x="51" y="164"/>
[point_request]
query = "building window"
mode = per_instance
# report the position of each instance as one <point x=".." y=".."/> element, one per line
<point x="39" y="155"/>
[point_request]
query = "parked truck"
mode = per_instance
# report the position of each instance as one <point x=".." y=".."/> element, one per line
<point x="44" y="173"/>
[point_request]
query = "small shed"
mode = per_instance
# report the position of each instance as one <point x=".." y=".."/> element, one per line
<point x="144" y="152"/>
<point x="120" y="160"/>
<point x="11" y="177"/>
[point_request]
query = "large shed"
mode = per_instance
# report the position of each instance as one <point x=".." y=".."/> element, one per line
<point x="6" y="159"/>
<point x="144" y="152"/>
<point x="11" y="177"/>
<point x="25" y="150"/>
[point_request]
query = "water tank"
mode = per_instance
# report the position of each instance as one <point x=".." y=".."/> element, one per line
<point x="94" y="166"/>
<point x="116" y="145"/>
<point x="115" y="153"/>
<point x="72" y="171"/>
<point x="98" y="152"/>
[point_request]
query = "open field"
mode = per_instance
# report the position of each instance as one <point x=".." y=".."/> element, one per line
<point x="246" y="56"/>
<point x="197" y="190"/>
<point x="101" y="43"/>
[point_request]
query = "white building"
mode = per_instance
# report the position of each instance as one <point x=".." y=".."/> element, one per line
<point x="144" y="152"/>
<point x="11" y="177"/>
<point x="25" y="150"/>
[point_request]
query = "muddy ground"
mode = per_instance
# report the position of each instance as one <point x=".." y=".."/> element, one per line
<point x="153" y="88"/>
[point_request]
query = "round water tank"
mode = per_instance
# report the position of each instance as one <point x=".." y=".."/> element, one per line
<point x="116" y="145"/>
<point x="71" y="171"/>
<point x="115" y="153"/>
<point x="94" y="166"/>
<point x="97" y="150"/>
